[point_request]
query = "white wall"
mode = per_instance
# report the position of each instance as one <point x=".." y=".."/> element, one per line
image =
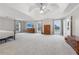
<point x="6" y="24"/>
<point x="75" y="22"/>
<point x="75" y="25"/>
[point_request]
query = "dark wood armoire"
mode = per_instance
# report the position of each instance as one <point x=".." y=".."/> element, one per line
<point x="47" y="29"/>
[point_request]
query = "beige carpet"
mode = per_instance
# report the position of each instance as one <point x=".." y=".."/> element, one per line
<point x="36" y="44"/>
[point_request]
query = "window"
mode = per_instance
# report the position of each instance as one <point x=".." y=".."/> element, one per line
<point x="18" y="26"/>
<point x="28" y="25"/>
<point x="57" y="27"/>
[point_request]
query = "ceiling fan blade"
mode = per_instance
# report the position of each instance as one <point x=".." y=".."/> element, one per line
<point x="46" y="11"/>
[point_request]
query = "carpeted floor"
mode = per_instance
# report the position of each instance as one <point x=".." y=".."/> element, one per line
<point x="36" y="44"/>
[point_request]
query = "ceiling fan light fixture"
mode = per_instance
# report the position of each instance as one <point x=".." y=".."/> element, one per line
<point x="43" y="7"/>
<point x="41" y="11"/>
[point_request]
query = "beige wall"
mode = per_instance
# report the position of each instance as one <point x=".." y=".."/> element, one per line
<point x="6" y="24"/>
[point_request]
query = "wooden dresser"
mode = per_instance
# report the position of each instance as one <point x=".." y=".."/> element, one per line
<point x="30" y="30"/>
<point x="73" y="41"/>
<point x="47" y="29"/>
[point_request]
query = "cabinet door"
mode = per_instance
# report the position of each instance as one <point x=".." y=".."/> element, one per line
<point x="46" y="29"/>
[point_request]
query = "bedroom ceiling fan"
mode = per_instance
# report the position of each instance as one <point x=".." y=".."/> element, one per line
<point x="43" y="7"/>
